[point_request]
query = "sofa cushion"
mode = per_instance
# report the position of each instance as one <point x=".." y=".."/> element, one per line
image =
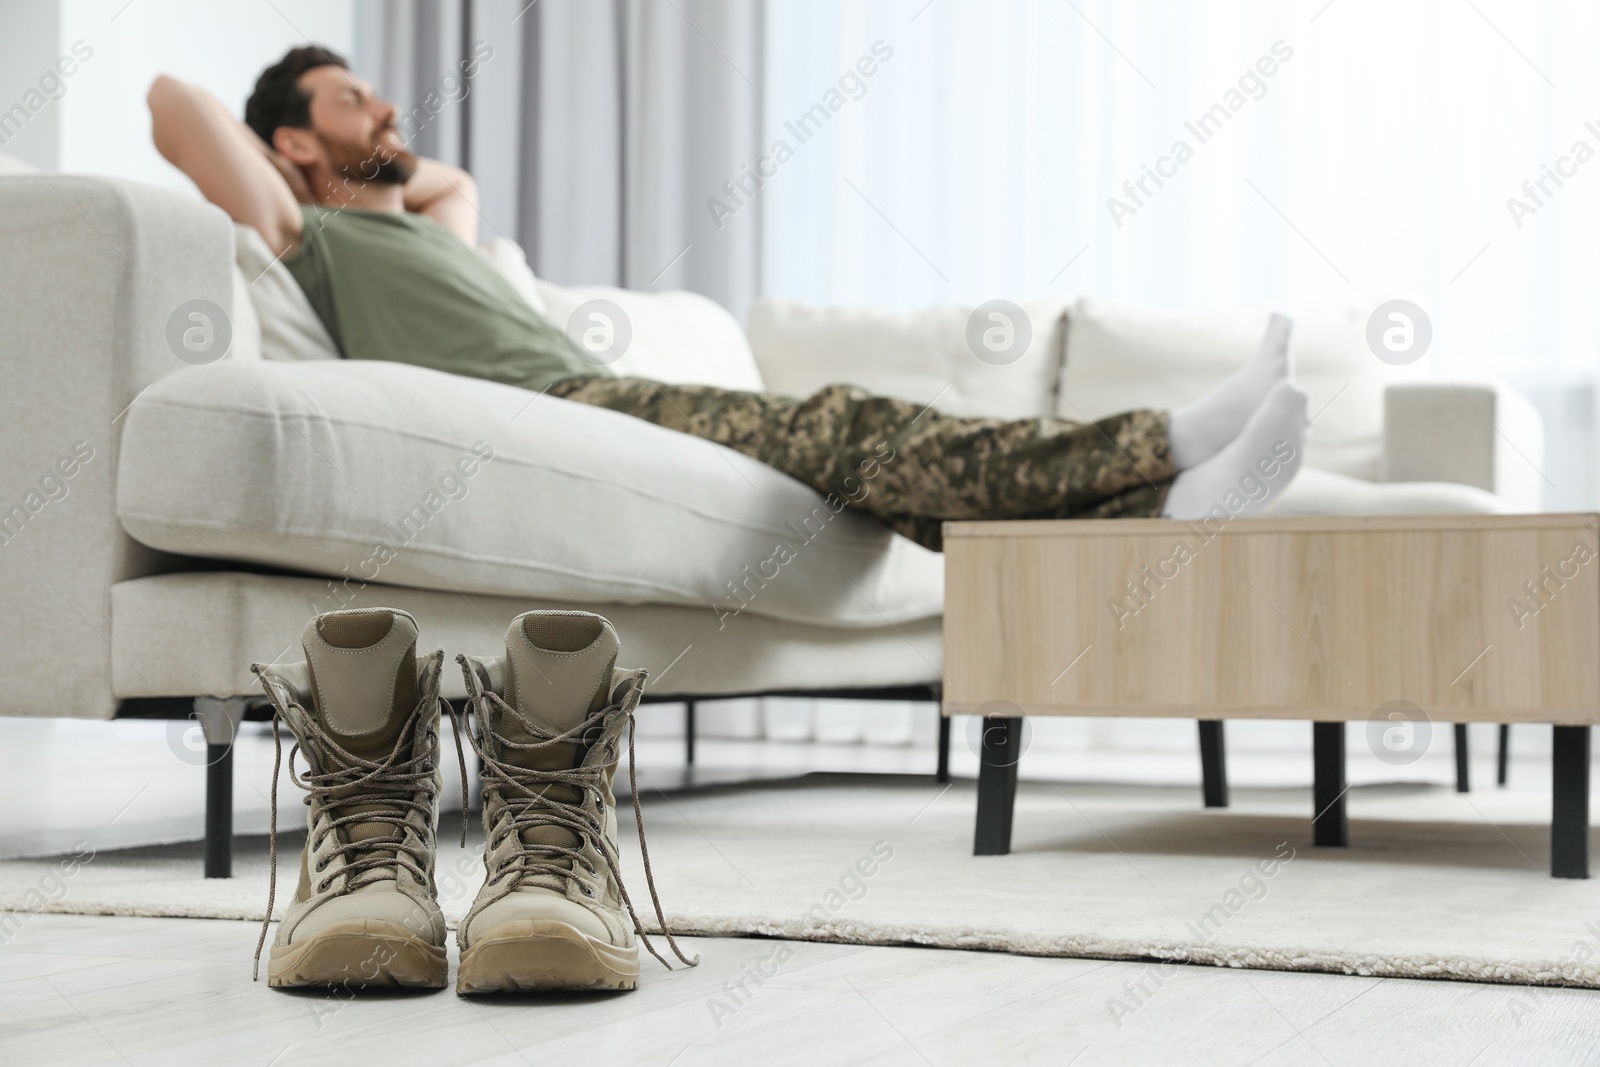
<point x="922" y="356"/>
<point x="1321" y="492"/>
<point x="1119" y="358"/>
<point x="372" y="471"/>
<point x="677" y="337"/>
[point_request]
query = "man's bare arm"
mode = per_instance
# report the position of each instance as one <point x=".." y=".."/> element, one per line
<point x="226" y="160"/>
<point x="447" y="195"/>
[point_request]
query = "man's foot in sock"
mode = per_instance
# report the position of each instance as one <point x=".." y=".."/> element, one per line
<point x="1254" y="469"/>
<point x="1198" y="431"/>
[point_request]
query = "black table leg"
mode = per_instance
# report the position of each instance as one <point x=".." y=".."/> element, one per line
<point x="1569" y="815"/>
<point x="219" y="811"/>
<point x="1463" y="775"/>
<point x="1505" y="752"/>
<point x="1330" y="824"/>
<point x="1213" y="764"/>
<point x="998" y="756"/>
<point x="942" y="771"/>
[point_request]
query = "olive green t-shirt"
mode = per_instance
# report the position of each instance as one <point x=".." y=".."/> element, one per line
<point x="398" y="286"/>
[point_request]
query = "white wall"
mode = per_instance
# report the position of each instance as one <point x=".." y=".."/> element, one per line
<point x="28" y="38"/>
<point x="100" y="124"/>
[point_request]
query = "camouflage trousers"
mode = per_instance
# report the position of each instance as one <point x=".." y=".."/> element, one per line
<point x="909" y="466"/>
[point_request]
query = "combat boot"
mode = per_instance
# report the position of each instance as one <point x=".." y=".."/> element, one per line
<point x="365" y="715"/>
<point x="548" y="721"/>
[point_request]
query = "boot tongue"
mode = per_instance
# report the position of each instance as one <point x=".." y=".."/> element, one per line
<point x="363" y="667"/>
<point x="558" y="673"/>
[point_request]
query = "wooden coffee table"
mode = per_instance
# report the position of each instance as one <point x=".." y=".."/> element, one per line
<point x="1405" y="623"/>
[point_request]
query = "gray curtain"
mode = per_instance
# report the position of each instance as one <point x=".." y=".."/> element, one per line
<point x="600" y="131"/>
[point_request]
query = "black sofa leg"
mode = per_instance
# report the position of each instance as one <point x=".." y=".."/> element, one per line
<point x="1330" y="824"/>
<point x="219" y="811"/>
<point x="219" y="719"/>
<point x="942" y="770"/>
<point x="688" y="732"/>
<point x="1505" y="754"/>
<point x="1463" y="773"/>
<point x="1569" y="814"/>
<point x="1213" y="764"/>
<point x="998" y="756"/>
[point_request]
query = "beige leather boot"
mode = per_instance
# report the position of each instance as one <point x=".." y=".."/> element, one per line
<point x="366" y="716"/>
<point x="549" y="719"/>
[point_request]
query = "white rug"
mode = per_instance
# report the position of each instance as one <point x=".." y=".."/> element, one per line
<point x="1432" y="885"/>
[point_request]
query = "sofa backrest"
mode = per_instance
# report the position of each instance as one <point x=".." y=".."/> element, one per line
<point x="1120" y="357"/>
<point x="677" y="337"/>
<point x="929" y="356"/>
<point x="1094" y="360"/>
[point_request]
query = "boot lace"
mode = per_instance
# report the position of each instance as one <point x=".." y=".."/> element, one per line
<point x="524" y="795"/>
<point x="385" y="789"/>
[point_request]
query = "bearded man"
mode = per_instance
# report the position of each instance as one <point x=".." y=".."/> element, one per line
<point x="382" y="243"/>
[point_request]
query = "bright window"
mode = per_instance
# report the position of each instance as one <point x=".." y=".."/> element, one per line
<point x="1356" y="151"/>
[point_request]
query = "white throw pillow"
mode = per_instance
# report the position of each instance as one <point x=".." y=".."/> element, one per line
<point x="922" y="356"/>
<point x="677" y="337"/>
<point x="290" y="329"/>
<point x="13" y="165"/>
<point x="1119" y="358"/>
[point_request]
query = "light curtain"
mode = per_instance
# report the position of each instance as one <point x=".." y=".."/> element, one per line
<point x="1376" y="160"/>
<point x="596" y="129"/>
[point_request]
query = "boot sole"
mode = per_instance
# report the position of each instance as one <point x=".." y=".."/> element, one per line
<point x="357" y="954"/>
<point x="544" y="955"/>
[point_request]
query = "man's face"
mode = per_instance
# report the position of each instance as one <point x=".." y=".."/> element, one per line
<point x="354" y="129"/>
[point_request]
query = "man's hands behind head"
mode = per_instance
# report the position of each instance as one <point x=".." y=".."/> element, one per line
<point x="292" y="175"/>
<point x="226" y="160"/>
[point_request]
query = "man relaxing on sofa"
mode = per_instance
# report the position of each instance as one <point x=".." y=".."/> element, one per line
<point x="382" y="243"/>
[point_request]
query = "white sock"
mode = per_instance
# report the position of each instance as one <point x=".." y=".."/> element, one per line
<point x="1200" y="430"/>
<point x="1253" y="470"/>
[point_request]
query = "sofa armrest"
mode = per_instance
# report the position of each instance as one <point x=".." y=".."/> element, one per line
<point x="1473" y="433"/>
<point x="91" y="270"/>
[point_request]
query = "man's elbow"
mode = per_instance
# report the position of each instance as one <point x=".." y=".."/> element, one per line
<point x="163" y="96"/>
<point x="463" y="185"/>
<point x="163" y="89"/>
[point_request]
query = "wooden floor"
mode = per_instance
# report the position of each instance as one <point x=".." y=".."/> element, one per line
<point x="91" y="990"/>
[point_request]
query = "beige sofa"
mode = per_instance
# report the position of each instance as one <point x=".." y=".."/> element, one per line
<point x="171" y="514"/>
